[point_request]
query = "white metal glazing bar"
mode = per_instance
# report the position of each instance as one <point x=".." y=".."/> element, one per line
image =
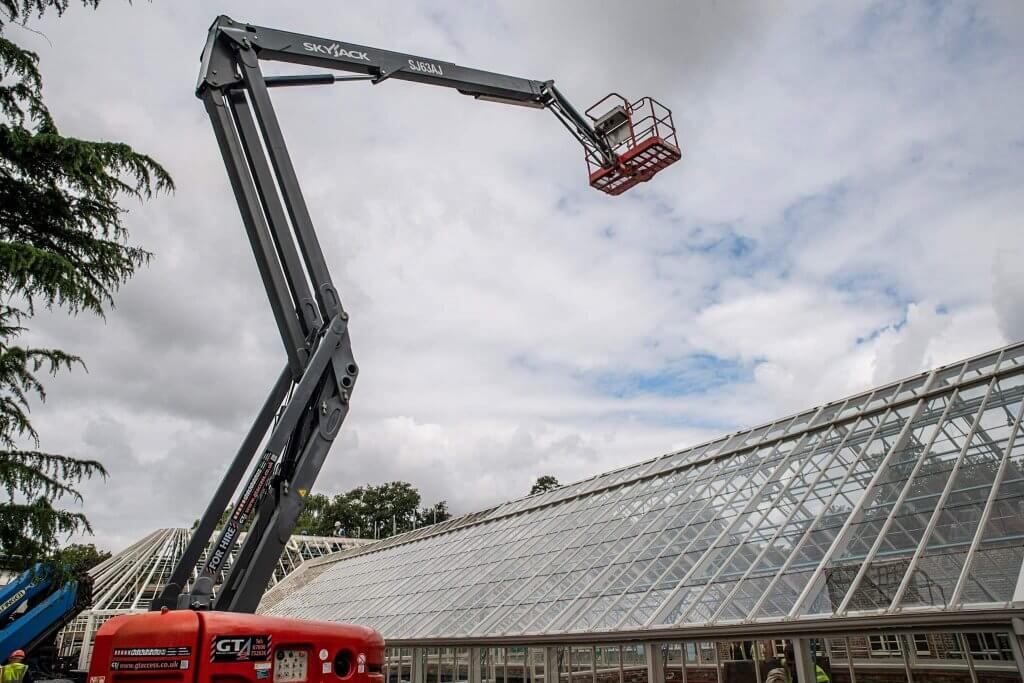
<point x="855" y="514"/>
<point x="738" y="547"/>
<point x="666" y="604"/>
<point x="904" y="492"/>
<point x="708" y="481"/>
<point x="519" y="593"/>
<point x="129" y="569"/>
<point x="582" y="532"/>
<point x="789" y="517"/>
<point x="606" y="570"/>
<point x="708" y="488"/>
<point x="537" y="543"/>
<point x="955" y="600"/>
<point x="148" y="581"/>
<point x="882" y="418"/>
<point x="937" y="512"/>
<point x="751" y="504"/>
<point x="706" y="485"/>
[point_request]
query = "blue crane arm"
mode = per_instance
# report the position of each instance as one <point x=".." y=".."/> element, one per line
<point x="23" y="589"/>
<point x="40" y="621"/>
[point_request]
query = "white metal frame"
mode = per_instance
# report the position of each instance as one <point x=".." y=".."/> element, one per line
<point x="433" y="584"/>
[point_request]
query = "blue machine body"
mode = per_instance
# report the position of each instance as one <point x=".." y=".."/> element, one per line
<point x="31" y="610"/>
<point x="23" y="589"/>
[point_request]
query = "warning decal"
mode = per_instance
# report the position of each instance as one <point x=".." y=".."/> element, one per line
<point x="152" y="651"/>
<point x="13" y="599"/>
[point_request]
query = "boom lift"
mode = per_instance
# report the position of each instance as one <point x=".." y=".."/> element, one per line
<point x="35" y="605"/>
<point x="624" y="145"/>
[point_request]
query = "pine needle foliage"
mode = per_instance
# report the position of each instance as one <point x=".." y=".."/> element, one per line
<point x="63" y="245"/>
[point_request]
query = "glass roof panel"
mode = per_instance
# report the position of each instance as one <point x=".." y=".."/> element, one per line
<point x="870" y="443"/>
<point x="827" y="414"/>
<point x="849" y="509"/>
<point x="853" y="406"/>
<point x="1013" y="357"/>
<point x="802" y="421"/>
<point x="980" y="367"/>
<point x="947" y="548"/>
<point x="737" y="552"/>
<point x="947" y="376"/>
<point x="886" y="525"/>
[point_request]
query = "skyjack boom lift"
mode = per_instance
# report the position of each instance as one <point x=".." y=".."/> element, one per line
<point x="623" y="146"/>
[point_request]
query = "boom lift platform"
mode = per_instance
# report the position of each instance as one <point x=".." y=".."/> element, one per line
<point x="300" y="418"/>
<point x="641" y="135"/>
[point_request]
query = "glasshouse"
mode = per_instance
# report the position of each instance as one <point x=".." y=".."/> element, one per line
<point x="130" y="580"/>
<point x="876" y="538"/>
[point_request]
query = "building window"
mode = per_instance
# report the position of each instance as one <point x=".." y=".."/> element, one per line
<point x="992" y="647"/>
<point x="886" y="645"/>
<point x="921" y="645"/>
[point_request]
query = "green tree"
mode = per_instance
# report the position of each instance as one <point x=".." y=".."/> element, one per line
<point x="369" y="512"/>
<point x="316" y="519"/>
<point x="390" y="508"/>
<point x="544" y="484"/>
<point x="435" y="514"/>
<point x="347" y="514"/>
<point x="63" y="245"/>
<point x="81" y="557"/>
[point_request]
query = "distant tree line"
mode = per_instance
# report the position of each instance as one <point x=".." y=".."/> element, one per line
<point x="370" y="512"/>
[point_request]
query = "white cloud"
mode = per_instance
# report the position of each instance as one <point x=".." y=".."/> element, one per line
<point x="847" y="175"/>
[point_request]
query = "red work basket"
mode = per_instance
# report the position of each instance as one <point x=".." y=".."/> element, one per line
<point x="642" y="136"/>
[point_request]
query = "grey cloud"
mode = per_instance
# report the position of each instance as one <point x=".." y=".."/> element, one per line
<point x="1008" y="292"/>
<point x="479" y="269"/>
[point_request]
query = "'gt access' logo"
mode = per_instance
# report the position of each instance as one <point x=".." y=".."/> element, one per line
<point x="246" y="648"/>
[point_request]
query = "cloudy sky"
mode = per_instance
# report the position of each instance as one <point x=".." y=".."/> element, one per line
<point x="848" y="211"/>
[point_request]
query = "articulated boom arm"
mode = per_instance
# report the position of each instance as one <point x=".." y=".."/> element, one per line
<point x="307" y="405"/>
<point x="378" y="65"/>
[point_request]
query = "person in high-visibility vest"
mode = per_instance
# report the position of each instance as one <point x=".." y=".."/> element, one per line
<point x="15" y="670"/>
<point x="782" y="673"/>
<point x="819" y="674"/>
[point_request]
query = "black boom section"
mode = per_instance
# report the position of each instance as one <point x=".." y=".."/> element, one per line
<point x="283" y="46"/>
<point x="307" y="405"/>
<point x="300" y="419"/>
<point x="270" y="44"/>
